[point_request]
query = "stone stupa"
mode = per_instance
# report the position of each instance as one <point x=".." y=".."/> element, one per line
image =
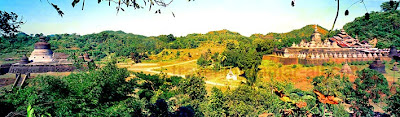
<point x="394" y="68"/>
<point x="378" y="65"/>
<point x="42" y="52"/>
<point x="346" y="69"/>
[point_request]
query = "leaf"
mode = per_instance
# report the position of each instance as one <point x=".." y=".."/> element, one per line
<point x="346" y="13"/>
<point x="391" y="3"/>
<point x="83" y="4"/>
<point x="74" y="2"/>
<point x="57" y="9"/>
<point x="366" y="16"/>
<point x="29" y="108"/>
<point x="30" y="111"/>
<point x="150" y="7"/>
<point x="292" y="3"/>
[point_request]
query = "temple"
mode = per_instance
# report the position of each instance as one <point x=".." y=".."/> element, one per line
<point x="41" y="60"/>
<point x="340" y="48"/>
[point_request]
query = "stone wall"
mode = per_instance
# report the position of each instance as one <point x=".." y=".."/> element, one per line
<point x="308" y="61"/>
<point x="40" y="68"/>
<point x="4" y="68"/>
<point x="284" y="61"/>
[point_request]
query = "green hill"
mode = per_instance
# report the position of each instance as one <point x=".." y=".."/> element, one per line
<point x="385" y="26"/>
<point x="302" y="33"/>
<point x="286" y="39"/>
<point x="99" y="45"/>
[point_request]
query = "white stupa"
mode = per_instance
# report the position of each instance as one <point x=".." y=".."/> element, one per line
<point x="42" y="52"/>
<point x="231" y="76"/>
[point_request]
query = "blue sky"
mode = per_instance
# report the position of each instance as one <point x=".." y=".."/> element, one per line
<point x="244" y="16"/>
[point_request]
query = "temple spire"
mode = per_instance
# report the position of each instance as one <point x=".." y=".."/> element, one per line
<point x="316" y="28"/>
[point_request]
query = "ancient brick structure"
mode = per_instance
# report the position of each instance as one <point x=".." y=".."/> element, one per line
<point x="339" y="49"/>
<point x="4" y="68"/>
<point x="378" y="65"/>
<point x="42" y="60"/>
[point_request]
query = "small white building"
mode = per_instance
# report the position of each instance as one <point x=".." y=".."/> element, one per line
<point x="42" y="52"/>
<point x="231" y="76"/>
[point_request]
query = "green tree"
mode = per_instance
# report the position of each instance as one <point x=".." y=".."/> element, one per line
<point x="10" y="23"/>
<point x="215" y="105"/>
<point x="390" y="6"/>
<point x="244" y="57"/>
<point x="202" y="61"/>
<point x="370" y="84"/>
<point x="194" y="87"/>
<point x="394" y="103"/>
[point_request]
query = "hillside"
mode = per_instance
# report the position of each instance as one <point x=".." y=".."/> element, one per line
<point x="99" y="45"/>
<point x="286" y="39"/>
<point x="304" y="33"/>
<point x="385" y="26"/>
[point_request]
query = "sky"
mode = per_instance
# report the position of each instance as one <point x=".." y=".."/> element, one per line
<point x="246" y="17"/>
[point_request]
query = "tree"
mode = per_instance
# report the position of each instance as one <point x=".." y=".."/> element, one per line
<point x="202" y="61"/>
<point x="394" y="103"/>
<point x="171" y="38"/>
<point x="194" y="87"/>
<point x="251" y="75"/>
<point x="369" y="85"/>
<point x="390" y="6"/>
<point x="335" y="86"/>
<point x="124" y="4"/>
<point x="244" y="57"/>
<point x="384" y="26"/>
<point x="9" y="23"/>
<point x="215" y="106"/>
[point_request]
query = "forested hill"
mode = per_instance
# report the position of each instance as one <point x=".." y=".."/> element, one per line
<point x="120" y="43"/>
<point x="102" y="44"/>
<point x="286" y="39"/>
<point x="303" y="33"/>
<point x="385" y="26"/>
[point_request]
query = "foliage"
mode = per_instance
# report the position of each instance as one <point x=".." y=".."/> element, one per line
<point x="370" y="84"/>
<point x="124" y="5"/>
<point x="243" y="56"/>
<point x="213" y="60"/>
<point x="394" y="103"/>
<point x="280" y="40"/>
<point x="385" y="26"/>
<point x="202" y="61"/>
<point x="331" y="85"/>
<point x="390" y="6"/>
<point x="9" y="23"/>
<point x="245" y="101"/>
<point x="76" y="94"/>
<point x="216" y="104"/>
<point x="194" y="87"/>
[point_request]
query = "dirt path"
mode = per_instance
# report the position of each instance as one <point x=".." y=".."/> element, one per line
<point x="152" y="70"/>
